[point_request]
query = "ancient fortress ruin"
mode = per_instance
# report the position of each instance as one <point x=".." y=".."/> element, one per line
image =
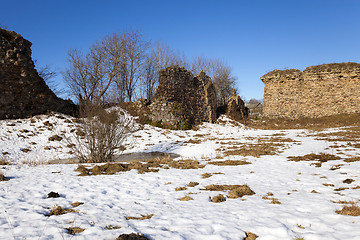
<point x="318" y="91"/>
<point x="23" y="92"/>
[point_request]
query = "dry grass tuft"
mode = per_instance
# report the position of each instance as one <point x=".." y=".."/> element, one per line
<point x="74" y="230"/>
<point x="218" y="198"/>
<point x="321" y="158"/>
<point x="150" y="166"/>
<point x="255" y="150"/>
<point x="193" y="184"/>
<point x="76" y="204"/>
<point x="352" y="210"/>
<point x="186" y="198"/>
<point x="207" y="175"/>
<point x="2" y="177"/>
<point x="180" y="188"/>
<point x="58" y="210"/>
<point x="4" y="162"/>
<point x="215" y="187"/>
<point x="250" y="236"/>
<point x="111" y="227"/>
<point x="273" y="200"/>
<point x="229" y="163"/>
<point x="143" y="217"/>
<point x="353" y="159"/>
<point x="348" y="180"/>
<point x="240" y="192"/>
<point x="132" y="236"/>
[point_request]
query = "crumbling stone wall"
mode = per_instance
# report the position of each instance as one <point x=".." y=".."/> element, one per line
<point x="236" y="108"/>
<point x="182" y="99"/>
<point x="318" y="91"/>
<point x="23" y="92"/>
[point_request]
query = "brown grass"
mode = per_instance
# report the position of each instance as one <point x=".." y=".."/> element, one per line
<point x="240" y="192"/>
<point x="320" y="158"/>
<point x="58" y="210"/>
<point x="218" y="198"/>
<point x="229" y="163"/>
<point x="353" y="159"/>
<point x="143" y="217"/>
<point x="255" y="150"/>
<point x="76" y="204"/>
<point x="307" y="123"/>
<point x="186" y="198"/>
<point x="215" y="187"/>
<point x="207" y="175"/>
<point x="2" y="177"/>
<point x="352" y="210"/>
<point x="250" y="236"/>
<point x="348" y="181"/>
<point x="180" y="188"/>
<point x="150" y="166"/>
<point x="74" y="230"/>
<point x="273" y="200"/>
<point x="111" y="227"/>
<point x="4" y="162"/>
<point x="193" y="184"/>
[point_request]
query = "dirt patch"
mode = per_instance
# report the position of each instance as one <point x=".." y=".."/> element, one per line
<point x="229" y="163"/>
<point x="218" y="198"/>
<point x="215" y="187"/>
<point x="74" y="230"/>
<point x="250" y="236"/>
<point x="142" y="167"/>
<point x="240" y="192"/>
<point x="320" y="158"/>
<point x="143" y="217"/>
<point x="57" y="210"/>
<point x="132" y="236"/>
<point x="352" y="210"/>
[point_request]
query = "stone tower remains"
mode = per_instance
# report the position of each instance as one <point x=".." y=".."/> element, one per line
<point x="318" y="91"/>
<point x="23" y="92"/>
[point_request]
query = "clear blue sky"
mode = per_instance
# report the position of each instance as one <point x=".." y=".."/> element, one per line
<point x="252" y="36"/>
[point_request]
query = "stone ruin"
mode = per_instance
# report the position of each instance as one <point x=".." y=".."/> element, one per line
<point x="318" y="91"/>
<point x="183" y="100"/>
<point x="236" y="108"/>
<point x="23" y="93"/>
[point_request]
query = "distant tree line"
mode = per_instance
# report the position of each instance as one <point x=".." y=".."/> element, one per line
<point x="123" y="67"/>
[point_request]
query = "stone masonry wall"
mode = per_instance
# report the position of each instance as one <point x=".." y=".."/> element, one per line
<point x="23" y="92"/>
<point x="195" y="98"/>
<point x="318" y="91"/>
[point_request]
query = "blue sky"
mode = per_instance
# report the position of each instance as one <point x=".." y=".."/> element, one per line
<point x="253" y="36"/>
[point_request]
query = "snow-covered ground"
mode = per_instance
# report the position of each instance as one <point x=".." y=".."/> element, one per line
<point x="307" y="206"/>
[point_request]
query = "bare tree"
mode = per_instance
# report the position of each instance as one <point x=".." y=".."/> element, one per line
<point x="88" y="77"/>
<point x="219" y="72"/>
<point x="223" y="80"/>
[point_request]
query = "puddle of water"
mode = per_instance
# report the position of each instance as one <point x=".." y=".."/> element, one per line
<point x="141" y="156"/>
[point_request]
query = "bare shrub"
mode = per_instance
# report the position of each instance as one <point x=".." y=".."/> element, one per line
<point x="102" y="134"/>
